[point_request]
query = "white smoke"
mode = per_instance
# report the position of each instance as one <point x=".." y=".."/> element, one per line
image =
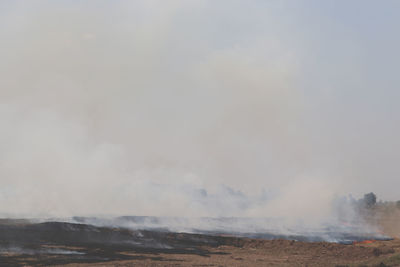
<point x="185" y="108"/>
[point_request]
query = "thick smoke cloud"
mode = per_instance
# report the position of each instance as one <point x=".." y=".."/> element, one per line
<point x="186" y="108"/>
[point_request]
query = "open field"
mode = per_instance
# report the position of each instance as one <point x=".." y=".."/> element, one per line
<point x="273" y="253"/>
<point x="68" y="244"/>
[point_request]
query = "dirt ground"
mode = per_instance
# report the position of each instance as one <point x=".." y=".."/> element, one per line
<point x="275" y="253"/>
<point x="99" y="246"/>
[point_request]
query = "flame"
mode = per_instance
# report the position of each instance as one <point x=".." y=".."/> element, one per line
<point x="363" y="242"/>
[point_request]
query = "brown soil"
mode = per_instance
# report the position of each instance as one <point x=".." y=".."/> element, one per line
<point x="253" y="252"/>
<point x="36" y="244"/>
<point x="276" y="253"/>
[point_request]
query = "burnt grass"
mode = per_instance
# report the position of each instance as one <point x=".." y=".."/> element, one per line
<point x="24" y="243"/>
<point x="27" y="243"/>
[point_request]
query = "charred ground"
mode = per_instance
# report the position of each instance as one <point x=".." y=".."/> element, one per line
<point x="25" y="243"/>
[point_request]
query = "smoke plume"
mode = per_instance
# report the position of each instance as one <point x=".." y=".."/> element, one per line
<point x="192" y="108"/>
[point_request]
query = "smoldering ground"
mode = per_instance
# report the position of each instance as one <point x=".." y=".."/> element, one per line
<point x="193" y="108"/>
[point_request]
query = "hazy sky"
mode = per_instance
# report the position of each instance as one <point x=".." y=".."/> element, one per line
<point x="198" y="108"/>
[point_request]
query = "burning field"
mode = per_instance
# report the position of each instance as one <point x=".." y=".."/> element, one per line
<point x="126" y="241"/>
<point x="199" y="133"/>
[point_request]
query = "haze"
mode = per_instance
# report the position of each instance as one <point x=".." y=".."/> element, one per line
<point x="197" y="108"/>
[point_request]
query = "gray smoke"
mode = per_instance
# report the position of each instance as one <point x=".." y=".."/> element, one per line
<point x="192" y="108"/>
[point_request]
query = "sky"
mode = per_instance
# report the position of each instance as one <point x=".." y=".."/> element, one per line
<point x="197" y="108"/>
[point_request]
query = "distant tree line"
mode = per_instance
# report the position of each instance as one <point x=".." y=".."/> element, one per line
<point x="370" y="200"/>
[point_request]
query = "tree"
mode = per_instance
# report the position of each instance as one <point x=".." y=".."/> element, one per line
<point x="369" y="200"/>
